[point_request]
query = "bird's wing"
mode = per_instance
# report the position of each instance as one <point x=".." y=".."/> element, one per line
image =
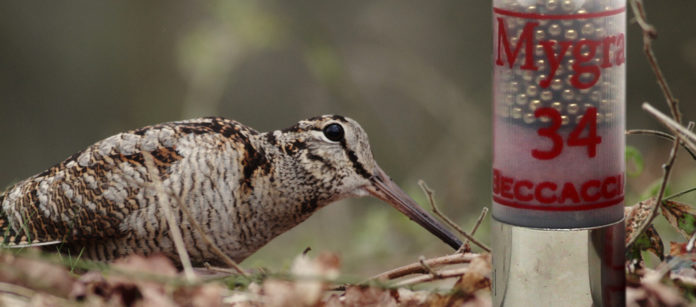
<point x="85" y="197"/>
<point x="14" y="238"/>
<point x="89" y="195"/>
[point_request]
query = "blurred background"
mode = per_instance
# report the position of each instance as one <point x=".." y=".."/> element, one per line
<point x="415" y="74"/>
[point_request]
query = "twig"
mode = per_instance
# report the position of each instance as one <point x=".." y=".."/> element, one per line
<point x="649" y="33"/>
<point x="684" y="133"/>
<point x="680" y="193"/>
<point x="667" y="169"/>
<point x="660" y="134"/>
<point x="465" y="246"/>
<point x="174" y="230"/>
<point x="689" y="139"/>
<point x="449" y="222"/>
<point x="427" y="268"/>
<point x="414" y="268"/>
<point x="426" y="278"/>
<point x="216" y="250"/>
<point x="213" y="247"/>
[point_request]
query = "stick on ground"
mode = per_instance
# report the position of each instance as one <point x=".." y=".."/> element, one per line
<point x="465" y="247"/>
<point x="417" y="268"/>
<point x="175" y="232"/>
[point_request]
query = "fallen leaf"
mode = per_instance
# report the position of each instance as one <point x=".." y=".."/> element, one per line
<point x="129" y="286"/>
<point x="90" y="283"/>
<point x="368" y="296"/>
<point x="136" y="288"/>
<point x="677" y="249"/>
<point x="30" y="271"/>
<point x="653" y="292"/>
<point x="207" y="294"/>
<point x="312" y="275"/>
<point x="478" y="299"/>
<point x="650" y="241"/>
<point x="408" y="297"/>
<point x="284" y="293"/>
<point x="155" y="264"/>
<point x="477" y="276"/>
<point x="681" y="216"/>
<point x="9" y="299"/>
<point x="636" y="216"/>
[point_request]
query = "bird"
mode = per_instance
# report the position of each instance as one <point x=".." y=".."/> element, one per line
<point x="242" y="187"/>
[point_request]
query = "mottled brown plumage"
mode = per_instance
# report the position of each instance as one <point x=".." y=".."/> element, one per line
<point x="243" y="187"/>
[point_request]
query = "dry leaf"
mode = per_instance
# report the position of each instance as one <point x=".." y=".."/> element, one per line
<point x="368" y="296"/>
<point x="308" y="288"/>
<point x="147" y="292"/>
<point x="312" y="274"/>
<point x="35" y="274"/>
<point x="42" y="299"/>
<point x="128" y="290"/>
<point x="681" y="216"/>
<point x="155" y="264"/>
<point x="9" y="299"/>
<point x="652" y="292"/>
<point x="685" y="277"/>
<point x="411" y="298"/>
<point x="677" y="249"/>
<point x="650" y="241"/>
<point x="208" y="294"/>
<point x="478" y="299"/>
<point x="250" y="297"/>
<point x="283" y="293"/>
<point x="477" y="277"/>
<point x="89" y="283"/>
<point x="636" y="216"/>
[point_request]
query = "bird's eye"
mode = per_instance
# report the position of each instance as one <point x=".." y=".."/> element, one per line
<point x="334" y="132"/>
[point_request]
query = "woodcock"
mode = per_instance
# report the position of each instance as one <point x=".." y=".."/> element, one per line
<point x="242" y="187"/>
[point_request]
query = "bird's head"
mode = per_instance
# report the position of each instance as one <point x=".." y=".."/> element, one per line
<point x="335" y="150"/>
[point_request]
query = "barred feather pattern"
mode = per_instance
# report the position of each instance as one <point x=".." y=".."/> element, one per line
<point x="241" y="186"/>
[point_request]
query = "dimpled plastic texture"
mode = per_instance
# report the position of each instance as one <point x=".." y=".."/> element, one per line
<point x="559" y="112"/>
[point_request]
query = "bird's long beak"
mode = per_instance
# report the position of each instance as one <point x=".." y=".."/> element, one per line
<point x="385" y="189"/>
